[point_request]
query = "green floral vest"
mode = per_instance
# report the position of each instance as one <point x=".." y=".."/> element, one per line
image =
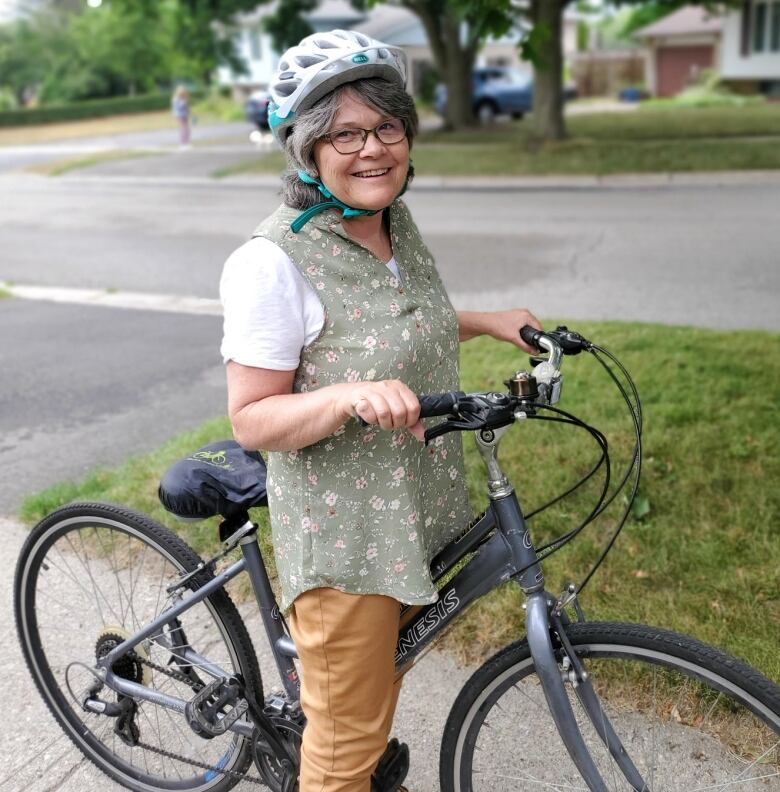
<point x="365" y="510"/>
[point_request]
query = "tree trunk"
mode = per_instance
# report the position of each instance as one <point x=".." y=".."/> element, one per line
<point x="460" y="64"/>
<point x="454" y="59"/>
<point x="548" y="122"/>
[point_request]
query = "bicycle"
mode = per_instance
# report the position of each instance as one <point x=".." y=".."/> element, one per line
<point x="144" y="661"/>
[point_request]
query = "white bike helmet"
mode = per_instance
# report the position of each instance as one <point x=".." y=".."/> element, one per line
<point x="322" y="62"/>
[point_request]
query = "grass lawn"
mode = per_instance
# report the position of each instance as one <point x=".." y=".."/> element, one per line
<point x="656" y="139"/>
<point x="60" y="167"/>
<point x="703" y="557"/>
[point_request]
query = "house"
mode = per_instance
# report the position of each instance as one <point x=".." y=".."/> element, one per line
<point x="742" y="45"/>
<point x="387" y="22"/>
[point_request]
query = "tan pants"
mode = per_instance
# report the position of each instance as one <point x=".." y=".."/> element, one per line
<point x="346" y="643"/>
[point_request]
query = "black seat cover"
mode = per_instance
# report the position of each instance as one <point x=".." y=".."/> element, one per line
<point x="220" y="478"/>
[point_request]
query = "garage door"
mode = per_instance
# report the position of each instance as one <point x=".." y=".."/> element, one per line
<point x="678" y="65"/>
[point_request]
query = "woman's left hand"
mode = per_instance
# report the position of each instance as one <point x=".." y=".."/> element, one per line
<point x="505" y="326"/>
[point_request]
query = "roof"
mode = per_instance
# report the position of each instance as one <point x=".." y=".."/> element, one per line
<point x="385" y="22"/>
<point x="688" y="20"/>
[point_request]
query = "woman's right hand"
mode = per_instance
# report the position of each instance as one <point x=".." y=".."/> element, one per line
<point x="389" y="403"/>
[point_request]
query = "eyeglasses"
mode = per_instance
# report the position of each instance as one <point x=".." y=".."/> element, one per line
<point x="350" y="140"/>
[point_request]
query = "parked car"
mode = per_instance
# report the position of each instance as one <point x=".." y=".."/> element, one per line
<point x="256" y="108"/>
<point x="498" y="90"/>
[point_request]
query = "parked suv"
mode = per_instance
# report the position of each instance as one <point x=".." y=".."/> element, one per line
<point x="256" y="109"/>
<point x="497" y="90"/>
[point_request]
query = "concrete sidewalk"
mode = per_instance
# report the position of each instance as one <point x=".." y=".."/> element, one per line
<point x="36" y="756"/>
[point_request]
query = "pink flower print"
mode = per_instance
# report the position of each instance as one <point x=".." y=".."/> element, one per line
<point x="331" y="498"/>
<point x="398" y="474"/>
<point x="340" y="544"/>
<point x="428" y="522"/>
<point x="352" y="375"/>
<point x="357" y="313"/>
<point x="368" y="437"/>
<point x="312" y="270"/>
<point x="453" y="473"/>
<point x="399" y="365"/>
<point x="310" y="369"/>
<point x="371" y="552"/>
<point x="306" y="524"/>
<point x="383" y="344"/>
<point x="370" y="342"/>
<point x="339" y="290"/>
<point x="412" y="536"/>
<point x="315" y="528"/>
<point x="278" y="491"/>
<point x="444" y="453"/>
<point x="320" y="285"/>
<point x="375" y="284"/>
<point x="440" y="501"/>
<point x="412" y="518"/>
<point x="377" y="503"/>
<point x="405" y="334"/>
<point x="313" y="478"/>
<point x="331" y="511"/>
<point x="336" y="250"/>
<point x="370" y="374"/>
<point x="361" y="483"/>
<point x="331" y="356"/>
<point x="394" y="504"/>
<point x="399" y="567"/>
<point x="315" y="233"/>
<point x="285" y="519"/>
<point x="395" y="309"/>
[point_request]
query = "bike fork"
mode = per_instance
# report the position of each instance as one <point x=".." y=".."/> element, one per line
<point x="540" y="644"/>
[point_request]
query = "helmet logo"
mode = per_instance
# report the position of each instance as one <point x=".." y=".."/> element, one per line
<point x="359" y="59"/>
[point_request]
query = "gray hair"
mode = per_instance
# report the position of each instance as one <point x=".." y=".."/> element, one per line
<point x="383" y="96"/>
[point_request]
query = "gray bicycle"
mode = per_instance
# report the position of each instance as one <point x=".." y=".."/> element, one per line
<point x="145" y="662"/>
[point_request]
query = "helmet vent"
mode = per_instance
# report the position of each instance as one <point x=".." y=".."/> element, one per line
<point x="286" y="88"/>
<point x="283" y="65"/>
<point x="362" y="40"/>
<point x="382" y="53"/>
<point x="287" y="75"/>
<point x="304" y="61"/>
<point x="325" y="44"/>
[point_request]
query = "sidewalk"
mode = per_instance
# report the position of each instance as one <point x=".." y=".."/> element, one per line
<point x="36" y="756"/>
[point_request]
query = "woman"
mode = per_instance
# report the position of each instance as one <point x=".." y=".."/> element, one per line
<point x="180" y="107"/>
<point x="334" y="310"/>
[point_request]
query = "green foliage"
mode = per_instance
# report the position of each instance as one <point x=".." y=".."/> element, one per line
<point x="286" y="25"/>
<point x="94" y="108"/>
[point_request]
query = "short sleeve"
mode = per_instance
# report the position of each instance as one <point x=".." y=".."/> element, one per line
<point x="268" y="311"/>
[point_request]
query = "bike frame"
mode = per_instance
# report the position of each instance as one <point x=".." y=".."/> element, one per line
<point x="503" y="551"/>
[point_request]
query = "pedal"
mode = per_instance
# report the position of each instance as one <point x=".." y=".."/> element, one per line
<point x="392" y="768"/>
<point x="216" y="708"/>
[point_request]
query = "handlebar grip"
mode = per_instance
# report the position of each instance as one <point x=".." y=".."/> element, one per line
<point x="530" y="335"/>
<point x="432" y="404"/>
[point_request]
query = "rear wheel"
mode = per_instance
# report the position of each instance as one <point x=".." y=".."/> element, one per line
<point x="486" y="112"/>
<point x="88" y="577"/>
<point x="690" y="717"/>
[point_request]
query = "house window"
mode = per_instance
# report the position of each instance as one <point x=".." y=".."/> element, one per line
<point x="255" y="49"/>
<point x="774" y="39"/>
<point x="759" y="27"/>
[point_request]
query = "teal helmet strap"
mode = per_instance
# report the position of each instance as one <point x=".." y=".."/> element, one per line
<point x="331" y="202"/>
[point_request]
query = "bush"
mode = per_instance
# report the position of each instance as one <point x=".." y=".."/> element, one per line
<point x="93" y="108"/>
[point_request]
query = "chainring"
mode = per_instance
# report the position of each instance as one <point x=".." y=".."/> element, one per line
<point x="267" y="762"/>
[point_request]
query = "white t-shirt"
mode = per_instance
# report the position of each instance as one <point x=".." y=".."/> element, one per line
<point x="271" y="312"/>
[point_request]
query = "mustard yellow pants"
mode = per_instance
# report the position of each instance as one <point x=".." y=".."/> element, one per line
<point x="346" y="644"/>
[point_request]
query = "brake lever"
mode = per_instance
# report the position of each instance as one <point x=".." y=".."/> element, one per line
<point x="484" y="411"/>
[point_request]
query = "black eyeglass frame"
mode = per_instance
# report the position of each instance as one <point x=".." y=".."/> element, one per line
<point x="374" y="131"/>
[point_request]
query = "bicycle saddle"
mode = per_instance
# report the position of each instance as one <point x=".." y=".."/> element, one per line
<point x="220" y="478"/>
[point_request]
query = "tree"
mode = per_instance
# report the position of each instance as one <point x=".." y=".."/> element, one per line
<point x="287" y="26"/>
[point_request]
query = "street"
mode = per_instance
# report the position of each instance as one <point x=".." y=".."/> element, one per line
<point x="86" y="385"/>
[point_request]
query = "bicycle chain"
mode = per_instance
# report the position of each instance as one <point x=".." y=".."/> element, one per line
<point x="179" y="676"/>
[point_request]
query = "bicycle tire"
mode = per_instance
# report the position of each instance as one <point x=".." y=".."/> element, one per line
<point x="93" y="573"/>
<point x="690" y="717"/>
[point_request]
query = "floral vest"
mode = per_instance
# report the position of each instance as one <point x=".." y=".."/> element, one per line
<point x="365" y="510"/>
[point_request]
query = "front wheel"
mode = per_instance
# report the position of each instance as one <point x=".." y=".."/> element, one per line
<point x="690" y="717"/>
<point x="88" y="577"/>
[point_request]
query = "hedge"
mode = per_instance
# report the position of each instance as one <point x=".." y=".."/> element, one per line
<point x="92" y="108"/>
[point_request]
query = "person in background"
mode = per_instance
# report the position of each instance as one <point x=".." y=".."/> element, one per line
<point x="180" y="107"/>
<point x="335" y="311"/>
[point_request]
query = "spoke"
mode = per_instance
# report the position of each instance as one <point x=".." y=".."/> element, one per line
<point x="537" y="781"/>
<point x="735" y="781"/>
<point x="758" y="759"/>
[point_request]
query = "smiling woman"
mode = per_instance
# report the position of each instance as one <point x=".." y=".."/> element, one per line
<point x="334" y="310"/>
